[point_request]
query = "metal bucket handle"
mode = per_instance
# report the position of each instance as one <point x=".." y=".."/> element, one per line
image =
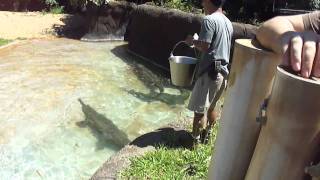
<point x="175" y="46"/>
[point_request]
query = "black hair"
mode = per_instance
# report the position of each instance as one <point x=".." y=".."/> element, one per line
<point x="218" y="3"/>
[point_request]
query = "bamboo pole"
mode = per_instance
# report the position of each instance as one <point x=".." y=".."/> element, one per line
<point x="249" y="83"/>
<point x="290" y="139"/>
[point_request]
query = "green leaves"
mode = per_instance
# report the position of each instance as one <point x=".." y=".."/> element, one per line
<point x="183" y="5"/>
<point x="314" y="4"/>
<point x="51" y="2"/>
<point x="74" y="3"/>
<point x="4" y="41"/>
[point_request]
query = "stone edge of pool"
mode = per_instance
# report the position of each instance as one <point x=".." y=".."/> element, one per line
<point x="10" y="44"/>
<point x="121" y="160"/>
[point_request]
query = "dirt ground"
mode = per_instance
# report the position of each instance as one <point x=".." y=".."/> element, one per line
<point x="28" y="25"/>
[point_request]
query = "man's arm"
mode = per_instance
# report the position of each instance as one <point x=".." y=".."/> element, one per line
<point x="200" y="45"/>
<point x="269" y="34"/>
<point x="288" y="37"/>
<point x="205" y="36"/>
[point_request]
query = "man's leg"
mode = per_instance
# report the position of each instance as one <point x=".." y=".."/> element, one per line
<point x="197" y="105"/>
<point x="212" y="114"/>
<point x="198" y="125"/>
<point x="212" y="117"/>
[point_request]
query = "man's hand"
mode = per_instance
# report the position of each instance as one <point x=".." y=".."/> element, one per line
<point x="287" y="36"/>
<point x="300" y="51"/>
<point x="200" y="45"/>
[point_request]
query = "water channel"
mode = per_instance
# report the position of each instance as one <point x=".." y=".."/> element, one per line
<point x="67" y="105"/>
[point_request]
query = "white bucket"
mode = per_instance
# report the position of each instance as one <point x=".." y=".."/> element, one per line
<point x="182" y="69"/>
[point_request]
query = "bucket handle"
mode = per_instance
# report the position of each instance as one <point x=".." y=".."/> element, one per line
<point x="175" y="46"/>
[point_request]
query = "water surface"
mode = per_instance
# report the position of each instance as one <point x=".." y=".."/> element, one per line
<point x="66" y="106"/>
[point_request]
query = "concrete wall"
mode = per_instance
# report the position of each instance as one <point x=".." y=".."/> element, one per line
<point x="22" y="5"/>
<point x="109" y="21"/>
<point x="153" y="31"/>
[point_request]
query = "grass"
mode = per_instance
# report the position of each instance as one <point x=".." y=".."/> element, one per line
<point x="4" y="41"/>
<point x="167" y="163"/>
<point x="54" y="10"/>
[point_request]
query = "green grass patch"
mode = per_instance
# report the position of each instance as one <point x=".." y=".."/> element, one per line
<point x="4" y="41"/>
<point x="56" y="10"/>
<point x="167" y="163"/>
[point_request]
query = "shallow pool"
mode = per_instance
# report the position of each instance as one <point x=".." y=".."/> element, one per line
<point x="66" y="106"/>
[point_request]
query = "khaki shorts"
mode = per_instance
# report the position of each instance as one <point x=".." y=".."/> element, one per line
<point x="206" y="93"/>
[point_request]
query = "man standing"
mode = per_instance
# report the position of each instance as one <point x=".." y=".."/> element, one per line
<point x="214" y="44"/>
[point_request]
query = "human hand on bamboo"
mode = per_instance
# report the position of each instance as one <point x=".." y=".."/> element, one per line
<point x="300" y="50"/>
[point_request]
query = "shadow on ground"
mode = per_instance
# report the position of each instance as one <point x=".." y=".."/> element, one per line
<point x="168" y="137"/>
<point x="106" y="131"/>
<point x="169" y="99"/>
<point x="102" y="128"/>
<point x="75" y="26"/>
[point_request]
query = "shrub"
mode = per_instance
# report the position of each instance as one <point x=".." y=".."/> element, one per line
<point x="4" y="41"/>
<point x="57" y="6"/>
<point x="314" y="4"/>
<point x="56" y="10"/>
<point x="183" y="5"/>
<point x="51" y="2"/>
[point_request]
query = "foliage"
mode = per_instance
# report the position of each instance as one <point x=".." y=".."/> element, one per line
<point x="180" y="4"/>
<point x="79" y="3"/>
<point x="183" y="5"/>
<point x="4" y="41"/>
<point x="314" y="4"/>
<point x="57" y="6"/>
<point x="56" y="10"/>
<point x="298" y="4"/>
<point x="51" y="2"/>
<point x="167" y="163"/>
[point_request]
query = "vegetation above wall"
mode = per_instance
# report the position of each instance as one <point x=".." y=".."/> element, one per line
<point x="4" y="42"/>
<point x="246" y="11"/>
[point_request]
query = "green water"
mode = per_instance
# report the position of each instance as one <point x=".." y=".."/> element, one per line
<point x="46" y="133"/>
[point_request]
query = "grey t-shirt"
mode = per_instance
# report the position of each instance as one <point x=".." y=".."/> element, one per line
<point x="217" y="30"/>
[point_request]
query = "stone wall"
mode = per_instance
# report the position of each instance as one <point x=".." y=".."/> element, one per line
<point x="109" y="21"/>
<point x="153" y="31"/>
<point x="22" y="5"/>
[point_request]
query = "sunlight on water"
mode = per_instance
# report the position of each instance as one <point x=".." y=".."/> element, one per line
<point x="66" y="106"/>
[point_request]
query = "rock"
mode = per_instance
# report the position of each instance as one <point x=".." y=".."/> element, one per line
<point x="119" y="161"/>
<point x="109" y="21"/>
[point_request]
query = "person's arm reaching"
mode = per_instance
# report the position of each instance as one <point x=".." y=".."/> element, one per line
<point x="288" y="36"/>
<point x="205" y="36"/>
<point x="200" y="45"/>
